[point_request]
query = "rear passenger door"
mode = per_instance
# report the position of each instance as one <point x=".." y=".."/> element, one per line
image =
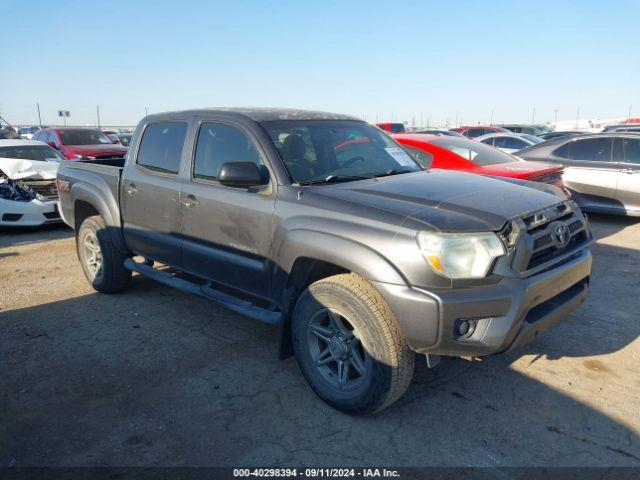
<point x="628" y="191"/>
<point x="149" y="195"/>
<point x="590" y="171"/>
<point x="227" y="232"/>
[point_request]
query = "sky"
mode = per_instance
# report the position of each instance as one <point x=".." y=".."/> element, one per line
<point x="384" y="61"/>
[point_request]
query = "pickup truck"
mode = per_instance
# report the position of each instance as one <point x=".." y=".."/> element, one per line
<point x="362" y="257"/>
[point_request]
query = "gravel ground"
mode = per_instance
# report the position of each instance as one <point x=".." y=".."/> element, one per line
<point x="152" y="376"/>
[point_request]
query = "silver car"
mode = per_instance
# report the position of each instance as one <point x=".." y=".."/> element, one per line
<point x="602" y="170"/>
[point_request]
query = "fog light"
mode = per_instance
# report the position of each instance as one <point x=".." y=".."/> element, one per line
<point x="465" y="327"/>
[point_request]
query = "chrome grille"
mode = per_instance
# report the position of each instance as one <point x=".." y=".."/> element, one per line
<point x="548" y="235"/>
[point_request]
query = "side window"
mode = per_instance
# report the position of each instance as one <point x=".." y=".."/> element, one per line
<point x="501" y="142"/>
<point x="52" y="137"/>
<point x="492" y="141"/>
<point x="219" y="143"/>
<point x="631" y="148"/>
<point x="474" y="132"/>
<point x="562" y="151"/>
<point x="161" y="147"/>
<point x="592" y="149"/>
<point x="423" y="158"/>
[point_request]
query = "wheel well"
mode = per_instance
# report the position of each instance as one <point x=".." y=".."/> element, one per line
<point x="307" y="270"/>
<point x="304" y="272"/>
<point x="81" y="211"/>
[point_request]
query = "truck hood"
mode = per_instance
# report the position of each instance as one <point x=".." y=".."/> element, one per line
<point x="95" y="150"/>
<point x="446" y="200"/>
<point x="20" y="169"/>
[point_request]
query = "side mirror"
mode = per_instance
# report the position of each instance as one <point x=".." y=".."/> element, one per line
<point x="52" y="145"/>
<point x="243" y="174"/>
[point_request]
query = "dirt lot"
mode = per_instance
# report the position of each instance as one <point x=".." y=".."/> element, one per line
<point x="156" y="377"/>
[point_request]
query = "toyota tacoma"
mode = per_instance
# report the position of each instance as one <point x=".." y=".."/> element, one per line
<point x="361" y="256"/>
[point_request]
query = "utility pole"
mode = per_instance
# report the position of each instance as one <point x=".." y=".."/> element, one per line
<point x="577" y="116"/>
<point x="98" y="114"/>
<point x="39" y="117"/>
<point x="491" y="120"/>
<point x="533" y="116"/>
<point x="146" y="112"/>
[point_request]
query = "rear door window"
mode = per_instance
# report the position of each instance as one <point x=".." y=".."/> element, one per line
<point x="591" y="149"/>
<point x="510" y="143"/>
<point x="161" y="147"/>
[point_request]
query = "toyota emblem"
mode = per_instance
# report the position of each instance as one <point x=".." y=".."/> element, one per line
<point x="561" y="235"/>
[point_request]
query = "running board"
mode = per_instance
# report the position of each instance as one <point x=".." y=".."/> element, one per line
<point x="238" y="305"/>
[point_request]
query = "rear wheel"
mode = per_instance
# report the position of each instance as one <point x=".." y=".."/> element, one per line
<point x="102" y="263"/>
<point x="349" y="346"/>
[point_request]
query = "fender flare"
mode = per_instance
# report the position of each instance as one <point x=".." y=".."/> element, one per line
<point x="344" y="252"/>
<point x="85" y="193"/>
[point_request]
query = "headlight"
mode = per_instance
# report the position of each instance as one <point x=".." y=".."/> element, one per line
<point x="461" y="255"/>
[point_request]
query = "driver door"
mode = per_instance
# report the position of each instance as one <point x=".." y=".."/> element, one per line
<point x="226" y="231"/>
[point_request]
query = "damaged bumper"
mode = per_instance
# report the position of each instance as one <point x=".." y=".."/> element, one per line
<point x="28" y="214"/>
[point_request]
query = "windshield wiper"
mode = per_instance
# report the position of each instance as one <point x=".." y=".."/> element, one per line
<point x="332" y="179"/>
<point x="394" y="171"/>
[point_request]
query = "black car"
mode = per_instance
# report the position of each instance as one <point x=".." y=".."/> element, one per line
<point x="566" y="133"/>
<point x="530" y="129"/>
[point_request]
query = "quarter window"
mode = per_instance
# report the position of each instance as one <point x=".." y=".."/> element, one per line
<point x="631" y="147"/>
<point x="161" y="147"/>
<point x="219" y="143"/>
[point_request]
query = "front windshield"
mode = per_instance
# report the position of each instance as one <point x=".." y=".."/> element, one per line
<point x="43" y="153"/>
<point x="84" y="137"/>
<point x="314" y="150"/>
<point x="479" y="153"/>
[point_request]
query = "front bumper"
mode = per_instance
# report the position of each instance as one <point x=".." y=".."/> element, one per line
<point x="28" y="214"/>
<point x="508" y="314"/>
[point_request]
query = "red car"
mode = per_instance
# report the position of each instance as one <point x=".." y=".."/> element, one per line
<point x="392" y="127"/>
<point x="456" y="153"/>
<point x="477" y="130"/>
<point x="80" y="143"/>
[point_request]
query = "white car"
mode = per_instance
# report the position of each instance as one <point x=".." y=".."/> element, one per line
<point x="27" y="132"/>
<point x="28" y="193"/>
<point x="509" y="142"/>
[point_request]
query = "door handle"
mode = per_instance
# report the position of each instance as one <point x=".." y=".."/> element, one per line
<point x="190" y="201"/>
<point x="131" y="189"/>
<point x="628" y="170"/>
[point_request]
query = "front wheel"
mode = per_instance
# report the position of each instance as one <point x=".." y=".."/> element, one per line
<point x="349" y="346"/>
<point x="102" y="263"/>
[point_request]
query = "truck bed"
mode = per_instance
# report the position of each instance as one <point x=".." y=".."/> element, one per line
<point x="99" y="179"/>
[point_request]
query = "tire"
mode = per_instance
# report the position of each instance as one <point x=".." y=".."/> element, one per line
<point x="376" y="344"/>
<point x="102" y="263"/>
